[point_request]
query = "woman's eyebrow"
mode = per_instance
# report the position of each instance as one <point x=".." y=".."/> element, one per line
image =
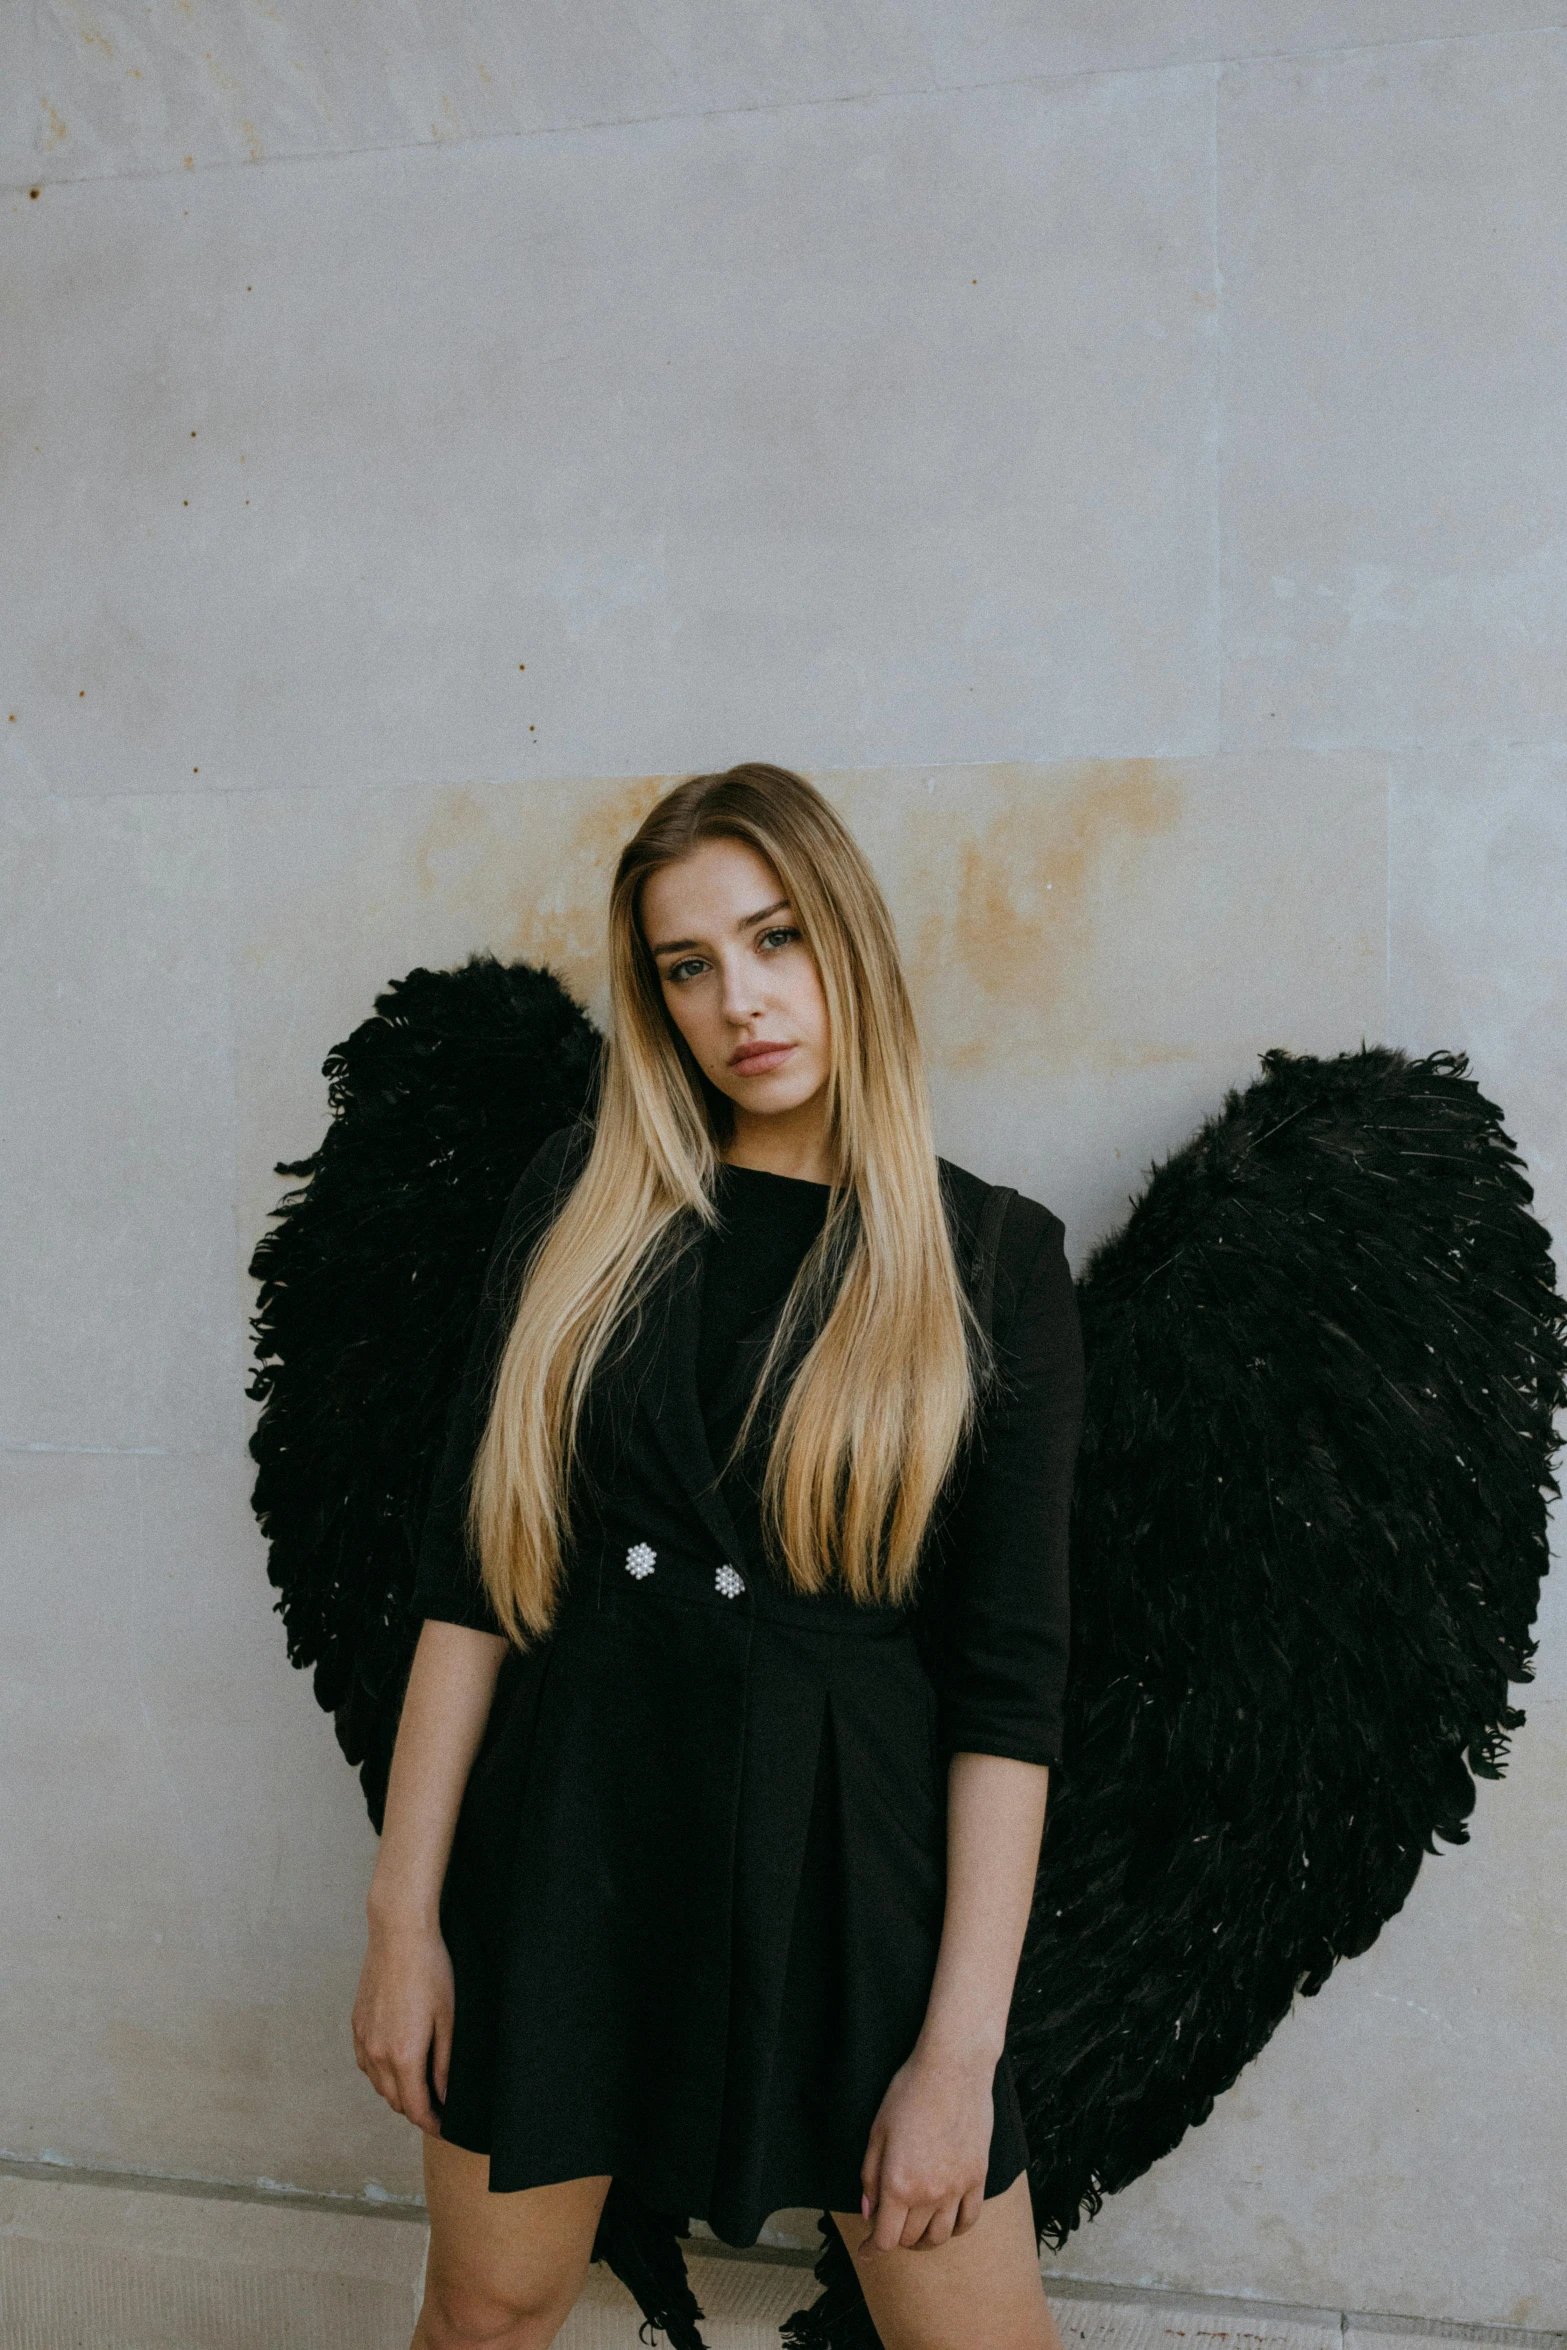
<point x="681" y="946"/>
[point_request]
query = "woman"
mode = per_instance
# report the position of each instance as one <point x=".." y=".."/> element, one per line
<point x="717" y="1799"/>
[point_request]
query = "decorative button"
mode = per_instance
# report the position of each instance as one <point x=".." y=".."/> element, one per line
<point x="730" y="1582"/>
<point x="639" y="1560"/>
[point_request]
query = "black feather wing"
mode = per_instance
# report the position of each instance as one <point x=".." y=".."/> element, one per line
<point x="1324" y="1358"/>
<point x="369" y="1283"/>
<point x="1323" y="1361"/>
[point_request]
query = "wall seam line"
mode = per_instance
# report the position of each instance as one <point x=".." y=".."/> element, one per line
<point x="1043" y="80"/>
<point x="278" y="2197"/>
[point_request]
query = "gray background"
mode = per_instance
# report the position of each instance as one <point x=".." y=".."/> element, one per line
<point x="1120" y="452"/>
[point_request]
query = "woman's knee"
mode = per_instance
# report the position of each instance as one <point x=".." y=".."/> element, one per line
<point x="469" y="2314"/>
<point x="505" y="2269"/>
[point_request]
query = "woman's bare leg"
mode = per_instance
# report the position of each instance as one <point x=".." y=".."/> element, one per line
<point x="978" y="2291"/>
<point x="504" y="2270"/>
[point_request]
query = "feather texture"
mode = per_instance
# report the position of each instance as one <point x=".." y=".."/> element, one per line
<point x="369" y="1286"/>
<point x="1324" y="1358"/>
<point x="642" y="2247"/>
<point x="838" y="2318"/>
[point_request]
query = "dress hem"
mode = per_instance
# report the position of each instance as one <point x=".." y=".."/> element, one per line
<point x="657" y="2197"/>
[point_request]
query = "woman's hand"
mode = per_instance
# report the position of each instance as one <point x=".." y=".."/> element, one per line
<point x="925" y="2164"/>
<point x="406" y="2001"/>
<point x="929" y="2149"/>
<point x="403" y="2020"/>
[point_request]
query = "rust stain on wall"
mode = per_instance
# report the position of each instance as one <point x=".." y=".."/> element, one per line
<point x="1012" y="888"/>
<point x="1015" y="907"/>
<point x="561" y="921"/>
<point x="534" y="868"/>
<point x="608" y="822"/>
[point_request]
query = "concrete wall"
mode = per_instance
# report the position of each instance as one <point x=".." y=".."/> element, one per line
<point x="1121" y="452"/>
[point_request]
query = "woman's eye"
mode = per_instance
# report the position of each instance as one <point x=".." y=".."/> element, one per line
<point x="784" y="935"/>
<point x="684" y="970"/>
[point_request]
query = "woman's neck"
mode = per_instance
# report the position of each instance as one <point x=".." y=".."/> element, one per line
<point x="791" y="1142"/>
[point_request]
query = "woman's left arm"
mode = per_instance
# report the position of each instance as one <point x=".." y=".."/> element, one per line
<point x="924" y="2171"/>
<point x="1000" y="1638"/>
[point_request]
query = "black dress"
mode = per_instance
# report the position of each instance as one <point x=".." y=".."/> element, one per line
<point x="695" y="1894"/>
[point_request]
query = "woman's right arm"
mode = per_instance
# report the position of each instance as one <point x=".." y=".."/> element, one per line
<point x="403" y="2012"/>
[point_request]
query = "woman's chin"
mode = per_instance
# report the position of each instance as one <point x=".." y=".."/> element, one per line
<point x="773" y="1094"/>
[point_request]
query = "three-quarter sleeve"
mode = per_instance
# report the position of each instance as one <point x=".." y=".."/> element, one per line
<point x="447" y="1582"/>
<point x="1002" y="1619"/>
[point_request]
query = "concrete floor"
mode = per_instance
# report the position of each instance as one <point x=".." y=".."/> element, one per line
<point x="100" y="2262"/>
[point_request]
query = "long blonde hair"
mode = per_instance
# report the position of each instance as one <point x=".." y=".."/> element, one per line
<point x="873" y="1417"/>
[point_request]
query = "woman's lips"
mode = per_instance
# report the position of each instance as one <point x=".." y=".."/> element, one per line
<point x="755" y="1060"/>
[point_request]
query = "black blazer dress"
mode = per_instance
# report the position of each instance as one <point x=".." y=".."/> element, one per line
<point x="695" y="1894"/>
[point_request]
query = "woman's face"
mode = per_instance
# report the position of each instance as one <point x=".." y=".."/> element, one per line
<point x="739" y="980"/>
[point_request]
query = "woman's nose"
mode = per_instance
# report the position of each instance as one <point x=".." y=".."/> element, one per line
<point x="742" y="995"/>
